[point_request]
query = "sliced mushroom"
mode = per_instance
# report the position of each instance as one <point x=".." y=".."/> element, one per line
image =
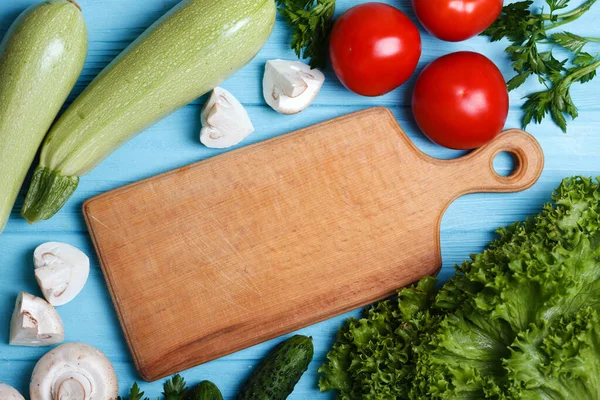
<point x="61" y="271"/>
<point x="9" y="393"/>
<point x="225" y="122"/>
<point x="291" y="86"/>
<point x="35" y="323"/>
<point x="74" y="371"/>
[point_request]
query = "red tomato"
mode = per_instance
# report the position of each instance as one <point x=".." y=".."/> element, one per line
<point x="456" y="20"/>
<point x="461" y="101"/>
<point x="374" y="48"/>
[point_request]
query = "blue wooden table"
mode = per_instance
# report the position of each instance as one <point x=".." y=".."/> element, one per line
<point x="467" y="226"/>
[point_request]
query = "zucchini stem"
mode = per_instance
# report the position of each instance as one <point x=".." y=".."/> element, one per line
<point x="48" y="192"/>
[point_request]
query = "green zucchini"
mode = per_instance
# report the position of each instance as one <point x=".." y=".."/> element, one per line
<point x="41" y="57"/>
<point x="188" y="52"/>
<point x="278" y="374"/>
<point x="206" y="390"/>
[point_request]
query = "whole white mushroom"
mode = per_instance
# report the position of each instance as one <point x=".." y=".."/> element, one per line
<point x="61" y="271"/>
<point x="75" y="371"/>
<point x="9" y="393"/>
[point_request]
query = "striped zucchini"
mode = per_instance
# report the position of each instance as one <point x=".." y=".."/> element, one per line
<point x="41" y="58"/>
<point x="189" y="51"/>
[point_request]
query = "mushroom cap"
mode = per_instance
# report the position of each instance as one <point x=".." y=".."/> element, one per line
<point x="225" y="121"/>
<point x="74" y="371"/>
<point x="289" y="87"/>
<point x="35" y="323"/>
<point x="9" y="393"/>
<point x="61" y="270"/>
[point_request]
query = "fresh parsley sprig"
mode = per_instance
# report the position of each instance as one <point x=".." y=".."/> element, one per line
<point x="556" y="100"/>
<point x="571" y="41"/>
<point x="134" y="394"/>
<point x="173" y="389"/>
<point x="311" y="21"/>
<point x="526" y="30"/>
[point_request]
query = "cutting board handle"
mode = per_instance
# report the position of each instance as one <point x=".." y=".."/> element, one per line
<point x="477" y="172"/>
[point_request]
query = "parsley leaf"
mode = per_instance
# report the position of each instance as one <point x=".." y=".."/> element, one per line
<point x="175" y="388"/>
<point x="557" y="100"/>
<point x="569" y="41"/>
<point x="513" y="23"/>
<point x="557" y="4"/>
<point x="526" y="31"/>
<point x="134" y="394"/>
<point x="311" y="21"/>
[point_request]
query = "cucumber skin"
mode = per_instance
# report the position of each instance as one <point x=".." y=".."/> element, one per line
<point x="185" y="54"/>
<point x="206" y="390"/>
<point x="277" y="375"/>
<point x="36" y="76"/>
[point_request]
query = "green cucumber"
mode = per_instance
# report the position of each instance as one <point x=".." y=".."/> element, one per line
<point x="278" y="374"/>
<point x="206" y="390"/>
<point x="188" y="52"/>
<point x="41" y="57"/>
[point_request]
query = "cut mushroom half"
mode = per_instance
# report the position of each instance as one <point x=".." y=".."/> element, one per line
<point x="35" y="323"/>
<point x="9" y="393"/>
<point x="61" y="270"/>
<point x="225" y="121"/>
<point x="291" y="86"/>
<point x="74" y="371"/>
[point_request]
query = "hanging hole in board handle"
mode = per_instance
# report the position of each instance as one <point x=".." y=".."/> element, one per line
<point x="504" y="164"/>
<point x="528" y="158"/>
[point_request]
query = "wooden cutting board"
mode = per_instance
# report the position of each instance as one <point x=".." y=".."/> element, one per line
<point x="261" y="241"/>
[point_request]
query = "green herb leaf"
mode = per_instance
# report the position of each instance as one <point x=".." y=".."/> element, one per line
<point x="569" y="41"/>
<point x="585" y="68"/>
<point x="134" y="394"/>
<point x="584" y="59"/>
<point x="514" y="23"/>
<point x="526" y="30"/>
<point x="518" y="80"/>
<point x="311" y="21"/>
<point x="175" y="388"/>
<point x="557" y="4"/>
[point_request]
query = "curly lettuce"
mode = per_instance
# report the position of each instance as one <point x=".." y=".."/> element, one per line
<point x="518" y="321"/>
<point x="557" y="361"/>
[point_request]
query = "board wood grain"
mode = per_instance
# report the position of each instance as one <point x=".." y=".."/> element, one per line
<point x="244" y="247"/>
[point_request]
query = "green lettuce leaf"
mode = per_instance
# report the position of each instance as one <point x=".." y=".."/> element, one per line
<point x="455" y="342"/>
<point x="373" y="356"/>
<point x="559" y="360"/>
